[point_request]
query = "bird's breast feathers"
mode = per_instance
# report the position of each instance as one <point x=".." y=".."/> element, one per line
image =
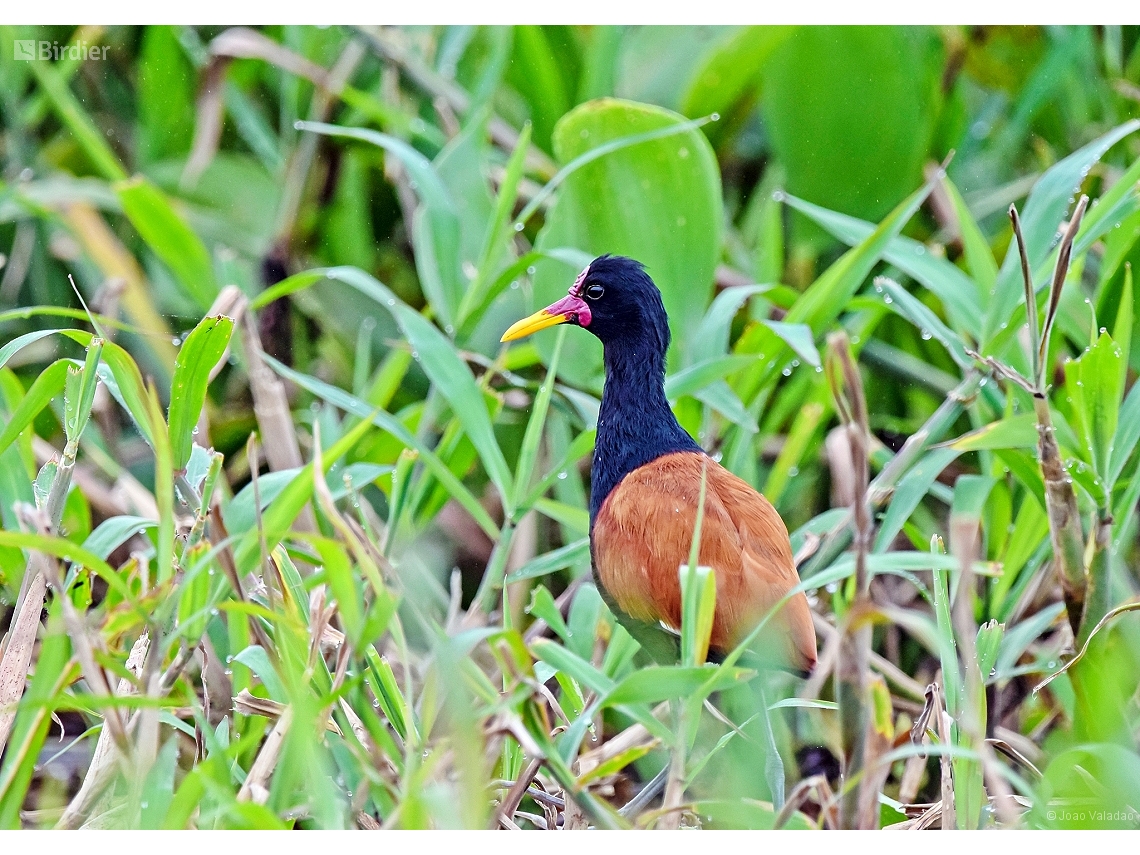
<point x="642" y="536"/>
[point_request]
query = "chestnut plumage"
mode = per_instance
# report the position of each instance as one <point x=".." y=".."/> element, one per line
<point x="645" y="486"/>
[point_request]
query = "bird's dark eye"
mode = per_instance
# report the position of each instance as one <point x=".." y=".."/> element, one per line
<point x="594" y="292"/>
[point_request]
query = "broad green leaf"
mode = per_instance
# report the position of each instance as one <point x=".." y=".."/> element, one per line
<point x="1127" y="434"/>
<point x="257" y="660"/>
<point x="539" y="73"/>
<point x="851" y="111"/>
<point x="197" y="357"/>
<point x="799" y="338"/>
<point x="165" y="96"/>
<point x="1017" y="640"/>
<point x="158" y="786"/>
<point x="165" y="232"/>
<point x="930" y="325"/>
<point x="338" y="571"/>
<point x="979" y="256"/>
<point x="17" y="344"/>
<point x="657" y="201"/>
<point x="569" y="663"/>
<point x="543" y="607"/>
<point x="194" y="593"/>
<point x="691" y="380"/>
<point x="497" y="231"/>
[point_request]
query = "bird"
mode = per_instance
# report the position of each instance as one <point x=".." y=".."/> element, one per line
<point x="645" y="486"/>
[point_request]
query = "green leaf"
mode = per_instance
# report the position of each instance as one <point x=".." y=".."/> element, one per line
<point x="691" y="380"/>
<point x="1018" y="431"/>
<point x="850" y="113"/>
<point x="730" y="70"/>
<point x="351" y="404"/>
<point x="54" y="672"/>
<point x="1046" y="206"/>
<point x="1127" y="435"/>
<point x="158" y="786"/>
<point x="79" y="392"/>
<point x="44" y="388"/>
<point x="698" y="605"/>
<point x="436" y="224"/>
<point x="535" y="426"/>
<point x="197" y="357"/>
<point x="78" y="122"/>
<point x="710" y="340"/>
<point x="152" y="215"/>
<point x="658" y="201"/>
<point x="257" y="660"/>
<point x="798" y="337"/>
<point x="571" y="555"/>
<point x="194" y="593"/>
<point x="342" y="581"/>
<point x="657" y="683"/>
<point x="931" y="326"/>
<point x="957" y="293"/>
<point x="284" y="509"/>
<point x="979" y="256"/>
<point x="497" y="232"/>
<point x="446" y="370"/>
<point x="826" y="297"/>
<point x="1095" y="384"/>
<point x="19" y="342"/>
<point x="987" y="645"/>
<point x="113" y="532"/>
<point x="121" y="375"/>
<point x="911" y="490"/>
<point x="1016" y="641"/>
<point x="165" y="96"/>
<point x="543" y="607"/>
<point x="571" y="664"/>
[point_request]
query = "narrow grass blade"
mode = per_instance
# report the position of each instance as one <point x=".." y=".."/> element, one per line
<point x="197" y="357"/>
<point x="152" y="215"/>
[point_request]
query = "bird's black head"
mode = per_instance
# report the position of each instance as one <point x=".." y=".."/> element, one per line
<point x="613" y="298"/>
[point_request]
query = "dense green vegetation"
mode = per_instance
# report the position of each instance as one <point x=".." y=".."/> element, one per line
<point x="290" y="540"/>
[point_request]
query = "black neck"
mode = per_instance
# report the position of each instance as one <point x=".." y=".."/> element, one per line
<point x="635" y="423"/>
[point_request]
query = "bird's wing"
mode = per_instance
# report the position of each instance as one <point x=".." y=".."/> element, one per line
<point x="768" y="574"/>
<point x="643" y="533"/>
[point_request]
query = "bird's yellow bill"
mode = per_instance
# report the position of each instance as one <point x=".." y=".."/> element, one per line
<point x="540" y="320"/>
<point x="571" y="309"/>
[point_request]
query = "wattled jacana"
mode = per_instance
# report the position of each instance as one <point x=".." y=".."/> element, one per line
<point x="646" y="480"/>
